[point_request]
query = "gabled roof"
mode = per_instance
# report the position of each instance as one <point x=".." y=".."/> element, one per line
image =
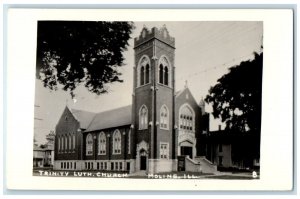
<point x="37" y="148"/>
<point x="177" y="93"/>
<point x="83" y="117"/>
<point x="112" y="118"/>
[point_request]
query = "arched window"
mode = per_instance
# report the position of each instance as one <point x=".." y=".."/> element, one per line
<point x="66" y="142"/>
<point x="89" y="144"/>
<point x="166" y="77"/>
<point x="147" y="73"/>
<point x="143" y="117"/>
<point x="70" y="142"/>
<point x="129" y="134"/>
<point x="117" y="142"/>
<point x="102" y="144"/>
<point x="186" y="118"/>
<point x="62" y="143"/>
<point x="58" y="143"/>
<point x="164" y="72"/>
<point x="161" y="74"/>
<point x="142" y="75"/>
<point x="164" y="117"/>
<point x="74" y="141"/>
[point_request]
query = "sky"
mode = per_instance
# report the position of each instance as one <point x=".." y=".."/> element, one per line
<point x="204" y="52"/>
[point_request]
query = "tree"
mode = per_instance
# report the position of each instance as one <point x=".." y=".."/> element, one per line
<point x="236" y="98"/>
<point x="72" y="52"/>
<point x="50" y="138"/>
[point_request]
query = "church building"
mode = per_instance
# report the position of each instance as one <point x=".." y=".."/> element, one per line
<point x="161" y="125"/>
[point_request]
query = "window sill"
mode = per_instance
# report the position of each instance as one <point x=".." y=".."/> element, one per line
<point x="143" y="129"/>
<point x="140" y="86"/>
<point x="164" y="128"/>
<point x="167" y="86"/>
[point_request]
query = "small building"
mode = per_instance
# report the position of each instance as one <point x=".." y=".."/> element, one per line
<point x="38" y="156"/>
<point x="233" y="150"/>
<point x="43" y="157"/>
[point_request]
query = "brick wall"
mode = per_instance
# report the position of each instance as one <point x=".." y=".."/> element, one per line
<point x="67" y="126"/>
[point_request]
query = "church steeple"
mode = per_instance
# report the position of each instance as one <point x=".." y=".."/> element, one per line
<point x="153" y="99"/>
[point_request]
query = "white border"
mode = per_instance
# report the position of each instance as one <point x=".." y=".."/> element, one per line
<point x="277" y="131"/>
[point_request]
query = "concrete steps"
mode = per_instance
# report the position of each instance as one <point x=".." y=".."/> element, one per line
<point x="206" y="165"/>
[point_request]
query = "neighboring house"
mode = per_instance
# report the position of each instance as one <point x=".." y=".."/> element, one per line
<point x="43" y="157"/>
<point x="49" y="155"/>
<point x="38" y="156"/>
<point x="228" y="149"/>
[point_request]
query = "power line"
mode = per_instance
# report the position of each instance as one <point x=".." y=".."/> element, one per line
<point x="214" y="67"/>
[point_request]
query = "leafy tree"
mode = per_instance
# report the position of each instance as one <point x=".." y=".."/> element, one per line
<point x="72" y="52"/>
<point x="236" y="98"/>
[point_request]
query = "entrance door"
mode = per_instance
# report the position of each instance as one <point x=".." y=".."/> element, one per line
<point x="187" y="150"/>
<point x="143" y="162"/>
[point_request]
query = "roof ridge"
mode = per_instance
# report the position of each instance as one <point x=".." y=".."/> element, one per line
<point x="180" y="91"/>
<point x="94" y="117"/>
<point x="115" y="108"/>
<point x="100" y="111"/>
<point x="75" y="110"/>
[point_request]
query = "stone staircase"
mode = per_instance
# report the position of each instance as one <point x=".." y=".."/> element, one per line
<point x="206" y="166"/>
<point x="200" y="164"/>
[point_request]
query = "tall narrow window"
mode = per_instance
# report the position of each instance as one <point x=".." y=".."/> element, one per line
<point x="143" y="117"/>
<point x="89" y="144"/>
<point x="147" y="74"/>
<point x="142" y="75"/>
<point x="166" y="81"/>
<point x="164" y="117"/>
<point x="58" y="143"/>
<point x="161" y="74"/>
<point x="164" y="72"/>
<point x="62" y="143"/>
<point x="143" y="71"/>
<point x="70" y="142"/>
<point x="117" y="142"/>
<point x="74" y="141"/>
<point x="129" y="147"/>
<point x="102" y="144"/>
<point x="66" y="142"/>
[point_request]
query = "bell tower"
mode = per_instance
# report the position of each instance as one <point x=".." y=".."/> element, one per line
<point x="153" y="99"/>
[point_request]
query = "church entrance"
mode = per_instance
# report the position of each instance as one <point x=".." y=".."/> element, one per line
<point x="187" y="150"/>
<point x="142" y="156"/>
<point x="143" y="162"/>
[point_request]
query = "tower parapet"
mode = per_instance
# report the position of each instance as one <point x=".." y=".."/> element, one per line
<point x="161" y="34"/>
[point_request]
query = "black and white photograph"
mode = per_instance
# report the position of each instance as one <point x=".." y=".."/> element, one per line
<point x="148" y="99"/>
